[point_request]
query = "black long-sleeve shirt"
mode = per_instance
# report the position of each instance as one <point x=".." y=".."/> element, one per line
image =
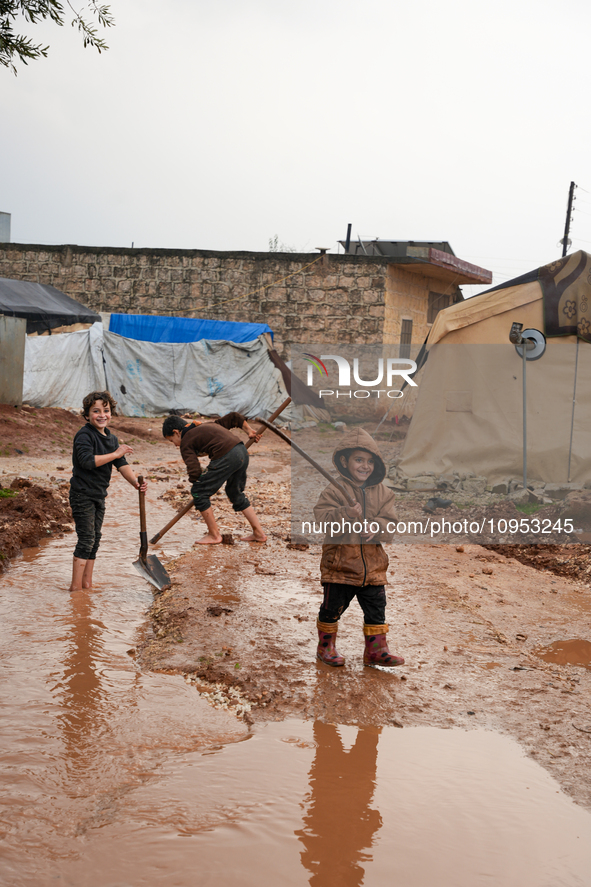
<point x="87" y="478"/>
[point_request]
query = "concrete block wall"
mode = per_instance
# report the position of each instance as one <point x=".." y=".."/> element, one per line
<point x="337" y="299"/>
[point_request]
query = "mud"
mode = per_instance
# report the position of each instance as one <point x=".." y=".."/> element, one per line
<point x="29" y="513"/>
<point x="473" y="624"/>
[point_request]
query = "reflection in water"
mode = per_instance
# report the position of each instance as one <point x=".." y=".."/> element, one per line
<point x="80" y="690"/>
<point x="339" y="825"/>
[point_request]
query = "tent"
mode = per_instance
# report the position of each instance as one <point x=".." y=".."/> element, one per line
<point x="44" y="307"/>
<point x="469" y="411"/>
<point x="210" y="377"/>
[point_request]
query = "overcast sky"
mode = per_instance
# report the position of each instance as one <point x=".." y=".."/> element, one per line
<point x="218" y="125"/>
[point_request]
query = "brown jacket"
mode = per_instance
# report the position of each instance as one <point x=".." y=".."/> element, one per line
<point x="348" y="560"/>
<point x="211" y="439"/>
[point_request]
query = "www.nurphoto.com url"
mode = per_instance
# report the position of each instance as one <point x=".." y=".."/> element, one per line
<point x="490" y="526"/>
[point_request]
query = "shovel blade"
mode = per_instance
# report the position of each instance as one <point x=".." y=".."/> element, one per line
<point x="153" y="571"/>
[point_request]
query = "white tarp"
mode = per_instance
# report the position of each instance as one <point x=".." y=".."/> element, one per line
<point x="61" y="369"/>
<point x="152" y="378"/>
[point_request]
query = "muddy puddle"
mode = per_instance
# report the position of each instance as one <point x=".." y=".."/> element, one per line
<point x="114" y="778"/>
<point x="572" y="652"/>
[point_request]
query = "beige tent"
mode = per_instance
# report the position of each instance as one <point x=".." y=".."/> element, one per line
<point x="469" y="412"/>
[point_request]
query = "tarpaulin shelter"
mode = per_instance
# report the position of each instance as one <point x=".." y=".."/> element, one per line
<point x="469" y="410"/>
<point x="156" y="328"/>
<point x="44" y="307"/>
<point x="152" y="378"/>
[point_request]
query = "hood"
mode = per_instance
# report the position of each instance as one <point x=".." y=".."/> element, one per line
<point x="359" y="439"/>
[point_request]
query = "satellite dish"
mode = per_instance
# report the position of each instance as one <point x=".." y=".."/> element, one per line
<point x="539" y="342"/>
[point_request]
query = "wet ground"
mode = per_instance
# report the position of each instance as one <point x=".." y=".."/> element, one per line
<point x="206" y="744"/>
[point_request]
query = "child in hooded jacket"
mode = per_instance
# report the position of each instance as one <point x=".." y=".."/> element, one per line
<point x="354" y="562"/>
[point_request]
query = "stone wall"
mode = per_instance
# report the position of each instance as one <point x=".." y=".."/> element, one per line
<point x="336" y="299"/>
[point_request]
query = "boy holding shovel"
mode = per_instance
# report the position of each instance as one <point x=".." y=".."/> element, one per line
<point x="228" y="463"/>
<point x="95" y="451"/>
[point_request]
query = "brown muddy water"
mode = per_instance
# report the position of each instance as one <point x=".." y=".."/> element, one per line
<point x="114" y="778"/>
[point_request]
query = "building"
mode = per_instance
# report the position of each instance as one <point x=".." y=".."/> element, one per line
<point x="388" y="292"/>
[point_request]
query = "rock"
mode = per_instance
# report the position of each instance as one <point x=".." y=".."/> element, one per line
<point x="502" y="488"/>
<point x="447" y="482"/>
<point x="578" y="509"/>
<point x="423" y="482"/>
<point x="520" y="496"/>
<point x="474" y="485"/>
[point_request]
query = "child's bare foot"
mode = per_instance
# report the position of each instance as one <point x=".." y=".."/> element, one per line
<point x="254" y="537"/>
<point x="209" y="540"/>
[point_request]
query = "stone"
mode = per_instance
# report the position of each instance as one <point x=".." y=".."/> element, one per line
<point x="520" y="497"/>
<point x="501" y="488"/>
<point x="423" y="482"/>
<point x="474" y="485"/>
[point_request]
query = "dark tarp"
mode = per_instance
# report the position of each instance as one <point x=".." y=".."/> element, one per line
<point x="43" y="306"/>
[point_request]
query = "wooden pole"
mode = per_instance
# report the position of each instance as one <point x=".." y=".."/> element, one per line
<point x="189" y="505"/>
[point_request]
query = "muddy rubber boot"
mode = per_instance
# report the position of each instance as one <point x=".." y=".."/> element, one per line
<point x="326" y="652"/>
<point x="376" y="647"/>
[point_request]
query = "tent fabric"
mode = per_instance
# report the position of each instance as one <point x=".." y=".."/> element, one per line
<point x="566" y="285"/>
<point x="469" y="411"/>
<point x="555" y="298"/>
<point x="152" y="378"/>
<point x="43" y="306"/>
<point x="154" y="328"/>
<point x="487" y="318"/>
<point x="469" y="414"/>
<point x="61" y="370"/>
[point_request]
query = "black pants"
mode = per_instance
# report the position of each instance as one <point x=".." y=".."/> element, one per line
<point x="230" y="470"/>
<point x="88" y="516"/>
<point x="337" y="597"/>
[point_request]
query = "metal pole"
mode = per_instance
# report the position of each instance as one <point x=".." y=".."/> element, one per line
<point x="569" y="209"/>
<point x="572" y="420"/>
<point x="524" y="416"/>
<point x="348" y="239"/>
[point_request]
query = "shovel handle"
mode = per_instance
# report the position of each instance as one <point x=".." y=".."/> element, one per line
<point x="143" y="532"/>
<point x="189" y="505"/>
<point x="171" y="523"/>
<point x="349" y="499"/>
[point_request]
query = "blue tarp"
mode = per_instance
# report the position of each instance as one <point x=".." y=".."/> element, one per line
<point x="153" y="328"/>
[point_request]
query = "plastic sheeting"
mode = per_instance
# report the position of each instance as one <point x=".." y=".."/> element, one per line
<point x="43" y="306"/>
<point x="152" y="378"/>
<point x="154" y="328"/>
<point x="60" y="370"/>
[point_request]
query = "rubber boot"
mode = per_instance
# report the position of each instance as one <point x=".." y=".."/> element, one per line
<point x="376" y="647"/>
<point x="327" y="633"/>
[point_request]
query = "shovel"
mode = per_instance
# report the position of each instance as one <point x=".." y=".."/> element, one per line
<point x="189" y="505"/>
<point x="148" y="565"/>
<point x="268" y="424"/>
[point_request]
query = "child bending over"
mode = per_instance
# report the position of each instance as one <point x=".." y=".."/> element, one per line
<point x="228" y="463"/>
<point x="95" y="452"/>
<point x="354" y="564"/>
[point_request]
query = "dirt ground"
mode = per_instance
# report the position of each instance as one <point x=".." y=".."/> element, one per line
<point x="490" y="641"/>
